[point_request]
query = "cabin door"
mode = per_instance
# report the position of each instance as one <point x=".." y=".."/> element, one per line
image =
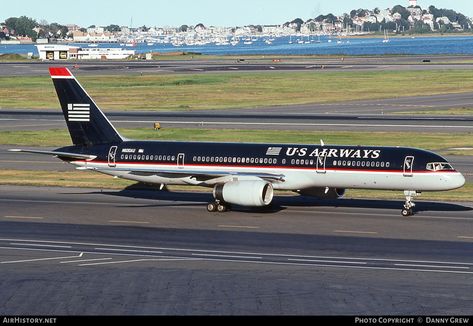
<point x="409" y="166"/>
<point x="320" y="165"/>
<point x="112" y="154"/>
<point x="180" y="160"/>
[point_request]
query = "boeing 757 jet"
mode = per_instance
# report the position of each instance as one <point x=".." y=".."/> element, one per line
<point x="242" y="174"/>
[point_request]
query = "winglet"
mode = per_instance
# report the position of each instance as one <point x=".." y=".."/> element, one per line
<point x="60" y="72"/>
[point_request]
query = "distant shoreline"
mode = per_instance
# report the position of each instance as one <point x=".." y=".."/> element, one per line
<point x="407" y="35"/>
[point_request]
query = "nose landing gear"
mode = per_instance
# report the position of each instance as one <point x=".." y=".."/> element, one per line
<point x="409" y="204"/>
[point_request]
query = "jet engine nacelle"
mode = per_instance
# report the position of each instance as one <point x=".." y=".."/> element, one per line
<point x="332" y="193"/>
<point x="245" y="193"/>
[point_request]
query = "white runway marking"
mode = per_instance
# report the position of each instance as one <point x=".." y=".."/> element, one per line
<point x="137" y="254"/>
<point x="227" y="256"/>
<point x="354" y="232"/>
<point x="328" y="261"/>
<point x="40" y="245"/>
<point x="137" y="261"/>
<point x="239" y="226"/>
<point x="83" y="260"/>
<point x="30" y="162"/>
<point x="25" y="217"/>
<point x="129" y="222"/>
<point x="293" y="124"/>
<point x="131" y="250"/>
<point x="430" y="266"/>
<point x="39" y="259"/>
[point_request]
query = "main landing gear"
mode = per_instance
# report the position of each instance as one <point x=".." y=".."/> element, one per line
<point x="217" y="206"/>
<point x="409" y="204"/>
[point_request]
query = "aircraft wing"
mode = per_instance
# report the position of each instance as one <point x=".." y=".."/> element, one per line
<point x="57" y="154"/>
<point x="201" y="175"/>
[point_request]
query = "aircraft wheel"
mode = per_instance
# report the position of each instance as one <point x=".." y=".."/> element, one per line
<point x="212" y="207"/>
<point x="406" y="212"/>
<point x="221" y="208"/>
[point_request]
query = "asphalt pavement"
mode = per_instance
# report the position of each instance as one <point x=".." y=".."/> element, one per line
<point x="77" y="251"/>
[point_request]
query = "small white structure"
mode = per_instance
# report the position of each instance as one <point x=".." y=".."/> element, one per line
<point x="67" y="52"/>
<point x="55" y="51"/>
<point x="412" y="3"/>
<point x="104" y="54"/>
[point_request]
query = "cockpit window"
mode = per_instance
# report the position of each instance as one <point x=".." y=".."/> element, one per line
<point x="439" y="166"/>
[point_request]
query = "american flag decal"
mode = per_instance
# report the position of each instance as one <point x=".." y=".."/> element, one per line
<point x="78" y="112"/>
<point x="274" y="151"/>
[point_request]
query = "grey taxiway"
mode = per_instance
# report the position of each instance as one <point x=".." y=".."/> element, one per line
<point x="76" y="251"/>
<point x="372" y="115"/>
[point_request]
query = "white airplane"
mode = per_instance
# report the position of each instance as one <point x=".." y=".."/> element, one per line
<point x="241" y="173"/>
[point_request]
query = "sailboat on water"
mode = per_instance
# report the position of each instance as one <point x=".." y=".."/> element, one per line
<point x="386" y="37"/>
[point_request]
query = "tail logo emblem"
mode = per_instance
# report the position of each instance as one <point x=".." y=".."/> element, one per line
<point x="78" y="112"/>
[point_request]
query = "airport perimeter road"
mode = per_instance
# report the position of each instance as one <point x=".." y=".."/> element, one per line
<point x="75" y="251"/>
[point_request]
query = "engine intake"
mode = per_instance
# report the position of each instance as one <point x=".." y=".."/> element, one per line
<point x="245" y="193"/>
<point x="332" y="193"/>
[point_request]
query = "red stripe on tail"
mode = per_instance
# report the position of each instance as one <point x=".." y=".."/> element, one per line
<point x="59" y="72"/>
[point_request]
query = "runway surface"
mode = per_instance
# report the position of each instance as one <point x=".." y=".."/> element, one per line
<point x="258" y="63"/>
<point x="372" y="115"/>
<point x="78" y="251"/>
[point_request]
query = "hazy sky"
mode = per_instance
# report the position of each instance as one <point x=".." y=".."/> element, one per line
<point x="191" y="12"/>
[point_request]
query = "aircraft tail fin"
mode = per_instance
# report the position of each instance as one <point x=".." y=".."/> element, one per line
<point x="87" y="124"/>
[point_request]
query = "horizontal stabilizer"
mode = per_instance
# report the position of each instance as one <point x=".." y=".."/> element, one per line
<point x="57" y="154"/>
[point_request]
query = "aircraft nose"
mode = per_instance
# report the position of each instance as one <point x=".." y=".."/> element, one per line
<point x="457" y="180"/>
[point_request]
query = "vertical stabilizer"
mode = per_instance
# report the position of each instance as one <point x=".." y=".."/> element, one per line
<point x="87" y="124"/>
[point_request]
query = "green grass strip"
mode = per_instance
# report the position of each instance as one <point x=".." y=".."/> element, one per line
<point x="237" y="89"/>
